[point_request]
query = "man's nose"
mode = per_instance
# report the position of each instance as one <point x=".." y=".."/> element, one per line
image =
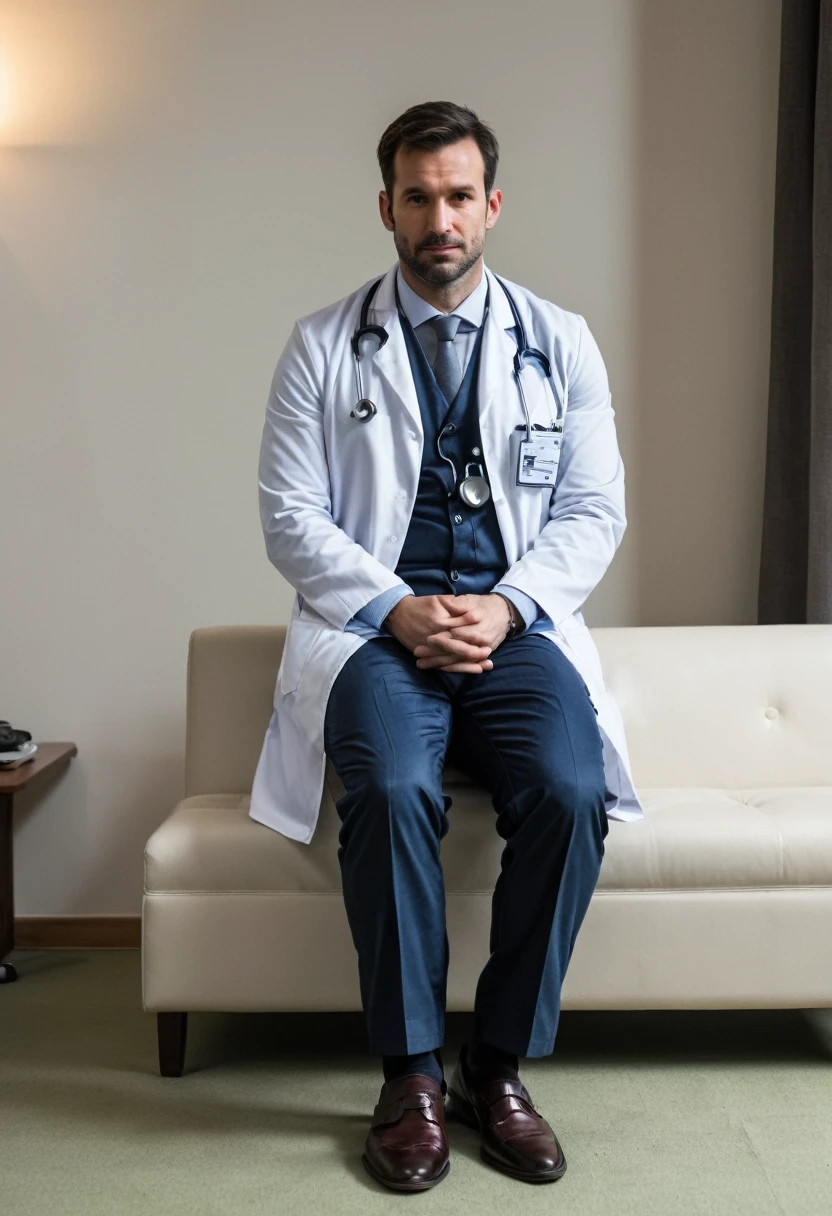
<point x="440" y="219"/>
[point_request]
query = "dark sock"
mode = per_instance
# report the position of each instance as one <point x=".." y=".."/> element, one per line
<point x="487" y="1062"/>
<point x="423" y="1062"/>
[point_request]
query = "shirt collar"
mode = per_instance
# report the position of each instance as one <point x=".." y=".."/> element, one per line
<point x="418" y="310"/>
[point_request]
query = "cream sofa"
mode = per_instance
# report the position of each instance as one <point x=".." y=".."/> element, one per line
<point x="720" y="897"/>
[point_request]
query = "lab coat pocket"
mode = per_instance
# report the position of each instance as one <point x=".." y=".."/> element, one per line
<point x="299" y="639"/>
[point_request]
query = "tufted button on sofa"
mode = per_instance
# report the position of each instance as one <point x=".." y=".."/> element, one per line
<point x="721" y="897"/>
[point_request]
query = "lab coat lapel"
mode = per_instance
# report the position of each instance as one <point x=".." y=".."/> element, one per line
<point x="497" y="361"/>
<point x="496" y="364"/>
<point x="498" y="400"/>
<point x="391" y="361"/>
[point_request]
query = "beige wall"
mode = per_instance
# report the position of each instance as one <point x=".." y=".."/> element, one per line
<point x="179" y="181"/>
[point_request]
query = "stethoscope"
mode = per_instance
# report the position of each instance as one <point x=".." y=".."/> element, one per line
<point x="474" y="490"/>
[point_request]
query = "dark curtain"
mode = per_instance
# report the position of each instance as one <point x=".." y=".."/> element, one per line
<point x="796" y="556"/>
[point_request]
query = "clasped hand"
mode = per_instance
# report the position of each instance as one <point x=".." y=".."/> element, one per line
<point x="454" y="632"/>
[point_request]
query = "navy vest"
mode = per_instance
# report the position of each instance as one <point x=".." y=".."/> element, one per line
<point x="449" y="547"/>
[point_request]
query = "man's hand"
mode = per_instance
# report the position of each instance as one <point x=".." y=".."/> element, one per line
<point x="454" y="632"/>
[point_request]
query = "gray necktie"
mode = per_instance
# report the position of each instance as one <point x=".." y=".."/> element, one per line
<point x="446" y="364"/>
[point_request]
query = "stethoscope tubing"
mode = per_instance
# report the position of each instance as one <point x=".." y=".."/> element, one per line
<point x="365" y="409"/>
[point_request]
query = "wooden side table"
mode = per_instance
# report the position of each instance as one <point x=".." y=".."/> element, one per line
<point x="47" y="757"/>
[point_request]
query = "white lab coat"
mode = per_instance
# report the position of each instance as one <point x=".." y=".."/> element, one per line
<point x="336" y="497"/>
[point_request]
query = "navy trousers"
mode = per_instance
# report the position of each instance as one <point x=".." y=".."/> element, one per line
<point x="528" y="731"/>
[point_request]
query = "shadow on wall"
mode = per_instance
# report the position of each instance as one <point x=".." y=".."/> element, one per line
<point x="707" y="123"/>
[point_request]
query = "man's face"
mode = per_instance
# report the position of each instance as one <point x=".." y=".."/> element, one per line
<point x="439" y="214"/>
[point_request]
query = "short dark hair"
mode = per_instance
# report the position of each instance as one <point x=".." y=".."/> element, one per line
<point x="433" y="125"/>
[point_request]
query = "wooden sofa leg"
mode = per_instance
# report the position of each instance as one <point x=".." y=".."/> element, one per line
<point x="172" y="1032"/>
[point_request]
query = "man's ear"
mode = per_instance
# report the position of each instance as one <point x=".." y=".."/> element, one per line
<point x="385" y="211"/>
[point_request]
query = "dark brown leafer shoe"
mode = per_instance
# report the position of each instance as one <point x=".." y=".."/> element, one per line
<point x="516" y="1139"/>
<point x="406" y="1147"/>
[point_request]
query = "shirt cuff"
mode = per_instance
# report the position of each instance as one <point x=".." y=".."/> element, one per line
<point x="528" y="608"/>
<point x="375" y="612"/>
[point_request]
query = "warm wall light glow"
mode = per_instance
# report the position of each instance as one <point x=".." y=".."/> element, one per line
<point x="5" y="95"/>
<point x="85" y="72"/>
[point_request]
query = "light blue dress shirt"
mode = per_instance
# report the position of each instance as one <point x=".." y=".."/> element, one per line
<point x="368" y="620"/>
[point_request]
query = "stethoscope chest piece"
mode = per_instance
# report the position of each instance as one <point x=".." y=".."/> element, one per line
<point x="363" y="410"/>
<point x="474" y="490"/>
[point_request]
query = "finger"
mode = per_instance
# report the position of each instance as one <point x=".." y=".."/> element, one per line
<point x="468" y="648"/>
<point x="473" y="654"/>
<point x="477" y="638"/>
<point x="445" y="658"/>
<point x="471" y="668"/>
<point x="447" y="639"/>
<point x="465" y="650"/>
<point x="463" y="668"/>
<point x="453" y="605"/>
<point x="436" y="647"/>
<point x="459" y="622"/>
<point x="467" y="632"/>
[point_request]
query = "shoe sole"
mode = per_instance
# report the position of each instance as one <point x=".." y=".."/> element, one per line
<point x="457" y="1108"/>
<point x="405" y="1186"/>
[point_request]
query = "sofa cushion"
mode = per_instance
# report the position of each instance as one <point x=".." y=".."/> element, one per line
<point x="689" y="839"/>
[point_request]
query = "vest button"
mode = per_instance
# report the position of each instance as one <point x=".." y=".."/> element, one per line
<point x="457" y="519"/>
<point x="454" y="576"/>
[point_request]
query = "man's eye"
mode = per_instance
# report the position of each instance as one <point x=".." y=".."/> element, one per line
<point x="414" y="198"/>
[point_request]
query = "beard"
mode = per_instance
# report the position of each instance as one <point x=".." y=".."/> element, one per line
<point x="425" y="266"/>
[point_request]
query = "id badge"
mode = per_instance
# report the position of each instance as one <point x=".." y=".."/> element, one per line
<point x="538" y="459"/>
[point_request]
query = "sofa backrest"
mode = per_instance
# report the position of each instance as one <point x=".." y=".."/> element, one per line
<point x="725" y="706"/>
<point x="232" y="671"/>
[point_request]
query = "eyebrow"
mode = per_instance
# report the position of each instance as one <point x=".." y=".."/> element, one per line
<point x="421" y="190"/>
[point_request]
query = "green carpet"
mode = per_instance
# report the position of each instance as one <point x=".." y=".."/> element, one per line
<point x="669" y="1113"/>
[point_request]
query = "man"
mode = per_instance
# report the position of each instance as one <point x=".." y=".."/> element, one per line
<point x="442" y="530"/>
